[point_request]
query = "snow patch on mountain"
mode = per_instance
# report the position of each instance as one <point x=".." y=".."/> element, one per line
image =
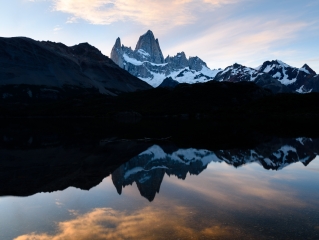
<point x="131" y="60"/>
<point x="144" y="53"/>
<point x="304" y="70"/>
<point x="302" y="90"/>
<point x="185" y="75"/>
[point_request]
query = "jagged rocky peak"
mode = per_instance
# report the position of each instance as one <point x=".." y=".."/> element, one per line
<point x="117" y="53"/>
<point x="118" y="43"/>
<point x="148" y="45"/>
<point x="147" y="63"/>
<point x="307" y="69"/>
<point x="197" y="64"/>
<point x="179" y="60"/>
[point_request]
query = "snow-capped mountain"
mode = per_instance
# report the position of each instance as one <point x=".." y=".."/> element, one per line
<point x="275" y="75"/>
<point x="147" y="63"/>
<point x="148" y="169"/>
<point x="237" y="73"/>
<point x="284" y="73"/>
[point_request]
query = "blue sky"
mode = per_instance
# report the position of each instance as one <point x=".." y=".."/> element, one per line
<point x="221" y="32"/>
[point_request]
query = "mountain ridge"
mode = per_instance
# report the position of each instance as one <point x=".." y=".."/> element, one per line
<point x="276" y="75"/>
<point x="55" y="65"/>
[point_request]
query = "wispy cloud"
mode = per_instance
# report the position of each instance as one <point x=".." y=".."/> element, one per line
<point x="243" y="40"/>
<point x="57" y="28"/>
<point x="313" y="3"/>
<point x="149" y="13"/>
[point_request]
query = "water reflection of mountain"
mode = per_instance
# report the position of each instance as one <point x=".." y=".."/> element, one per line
<point x="45" y="161"/>
<point x="148" y="169"/>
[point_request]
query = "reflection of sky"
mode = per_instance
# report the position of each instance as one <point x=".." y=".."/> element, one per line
<point x="221" y="32"/>
<point x="221" y="202"/>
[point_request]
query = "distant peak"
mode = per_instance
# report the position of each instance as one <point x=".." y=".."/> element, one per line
<point x="117" y="43"/>
<point x="148" y="43"/>
<point x="149" y="32"/>
<point x="308" y="69"/>
<point x="237" y="65"/>
<point x="282" y="63"/>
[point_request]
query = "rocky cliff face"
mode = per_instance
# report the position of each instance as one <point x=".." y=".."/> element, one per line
<point x="55" y="65"/>
<point x="149" y="48"/>
<point x="147" y="63"/>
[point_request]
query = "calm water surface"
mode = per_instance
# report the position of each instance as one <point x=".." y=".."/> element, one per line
<point x="163" y="192"/>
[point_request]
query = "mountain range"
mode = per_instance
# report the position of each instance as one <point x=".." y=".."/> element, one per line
<point x="36" y="70"/>
<point x="147" y="63"/>
<point x="44" y="69"/>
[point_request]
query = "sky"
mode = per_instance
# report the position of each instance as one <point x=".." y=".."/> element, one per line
<point x="220" y="32"/>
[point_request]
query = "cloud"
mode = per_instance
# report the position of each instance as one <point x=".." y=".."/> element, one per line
<point x="148" y="223"/>
<point x="245" y="40"/>
<point x="312" y="3"/>
<point x="57" y="28"/>
<point x="59" y="204"/>
<point x="145" y="12"/>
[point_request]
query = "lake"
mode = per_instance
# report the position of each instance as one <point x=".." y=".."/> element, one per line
<point x="75" y="184"/>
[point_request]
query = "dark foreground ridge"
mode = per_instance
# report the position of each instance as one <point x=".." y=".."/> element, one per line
<point x="48" y="70"/>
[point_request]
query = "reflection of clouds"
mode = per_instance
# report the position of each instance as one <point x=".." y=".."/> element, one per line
<point x="313" y="169"/>
<point x="148" y="223"/>
<point x="59" y="204"/>
<point x="240" y="189"/>
<point x="74" y="212"/>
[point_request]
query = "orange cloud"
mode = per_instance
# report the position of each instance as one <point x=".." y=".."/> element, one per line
<point x="149" y="223"/>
